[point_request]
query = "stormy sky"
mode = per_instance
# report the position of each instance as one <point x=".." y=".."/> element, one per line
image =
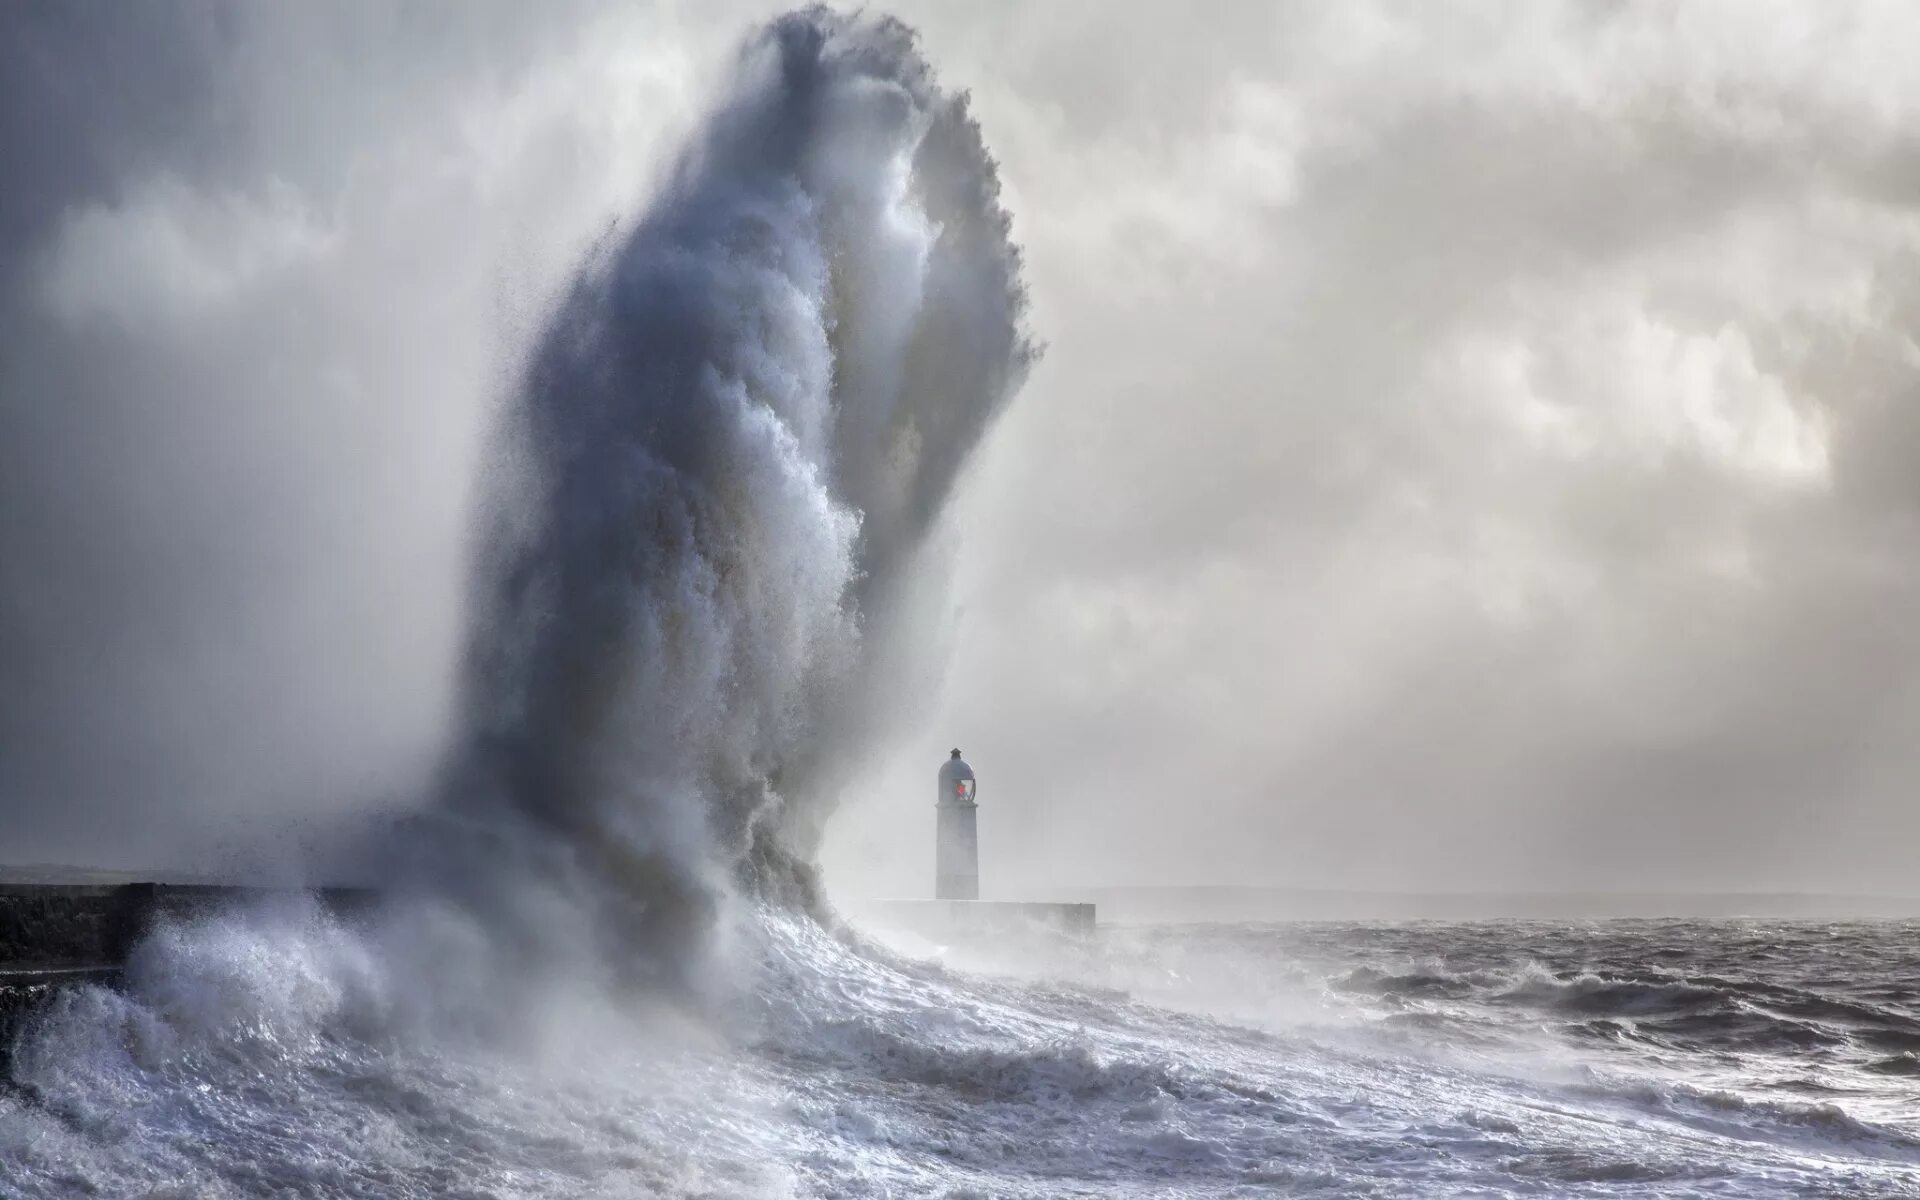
<point x="1478" y="446"/>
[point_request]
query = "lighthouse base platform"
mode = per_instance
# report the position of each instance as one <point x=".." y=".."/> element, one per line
<point x="970" y="918"/>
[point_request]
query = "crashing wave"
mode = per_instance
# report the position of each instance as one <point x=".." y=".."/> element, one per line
<point x="730" y="443"/>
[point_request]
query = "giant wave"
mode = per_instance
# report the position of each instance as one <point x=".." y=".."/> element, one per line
<point x="731" y="441"/>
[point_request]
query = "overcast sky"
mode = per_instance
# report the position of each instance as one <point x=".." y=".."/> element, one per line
<point x="1478" y="445"/>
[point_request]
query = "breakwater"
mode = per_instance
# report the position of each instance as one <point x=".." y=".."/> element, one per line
<point x="55" y="935"/>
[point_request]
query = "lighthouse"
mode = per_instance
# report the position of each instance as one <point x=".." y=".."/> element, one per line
<point x="956" y="856"/>
<point x="956" y="910"/>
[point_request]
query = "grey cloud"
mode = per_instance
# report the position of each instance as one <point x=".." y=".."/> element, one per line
<point x="1289" y="585"/>
<point x="249" y="286"/>
<point x="1393" y="506"/>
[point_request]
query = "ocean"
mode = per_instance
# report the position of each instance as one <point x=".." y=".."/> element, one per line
<point x="274" y="1052"/>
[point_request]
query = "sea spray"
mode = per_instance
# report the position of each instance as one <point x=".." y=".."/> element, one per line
<point x="711" y="489"/>
<point x="731" y="441"/>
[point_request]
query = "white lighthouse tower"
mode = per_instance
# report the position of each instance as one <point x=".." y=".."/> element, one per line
<point x="956" y="910"/>
<point x="956" y="856"/>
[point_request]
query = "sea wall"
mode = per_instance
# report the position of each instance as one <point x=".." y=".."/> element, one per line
<point x="978" y="918"/>
<point x="55" y="935"/>
<point x="52" y="925"/>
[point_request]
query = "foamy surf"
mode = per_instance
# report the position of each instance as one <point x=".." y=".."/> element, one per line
<point x="267" y="1052"/>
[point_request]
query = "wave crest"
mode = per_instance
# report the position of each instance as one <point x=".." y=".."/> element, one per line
<point x="730" y="443"/>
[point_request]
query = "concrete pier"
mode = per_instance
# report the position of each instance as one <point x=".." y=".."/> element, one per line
<point x="972" y="918"/>
<point x="58" y="926"/>
<point x="55" y="935"/>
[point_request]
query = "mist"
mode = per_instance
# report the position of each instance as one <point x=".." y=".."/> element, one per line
<point x="1473" y="450"/>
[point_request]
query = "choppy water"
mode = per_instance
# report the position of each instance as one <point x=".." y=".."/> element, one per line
<point x="275" y="1053"/>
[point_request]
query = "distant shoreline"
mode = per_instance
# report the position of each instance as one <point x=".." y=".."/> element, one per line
<point x="60" y="875"/>
<point x="1227" y="903"/>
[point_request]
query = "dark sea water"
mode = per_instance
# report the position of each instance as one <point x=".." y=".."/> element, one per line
<point x="1552" y="1058"/>
<point x="277" y="1053"/>
<point x="1819" y="1012"/>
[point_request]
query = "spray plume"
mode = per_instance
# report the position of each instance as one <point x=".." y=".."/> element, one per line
<point x="730" y="441"/>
